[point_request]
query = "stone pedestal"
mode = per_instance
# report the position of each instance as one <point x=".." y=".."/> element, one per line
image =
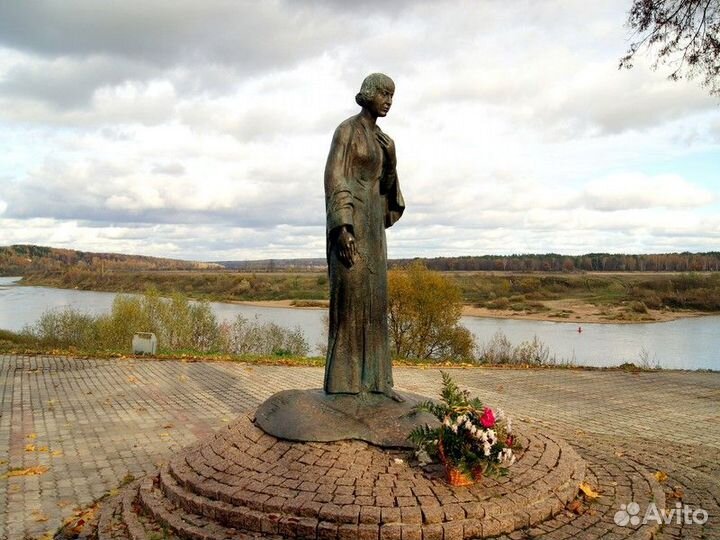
<point x="243" y="483"/>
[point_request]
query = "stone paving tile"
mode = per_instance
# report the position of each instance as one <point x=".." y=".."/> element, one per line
<point x="92" y="422"/>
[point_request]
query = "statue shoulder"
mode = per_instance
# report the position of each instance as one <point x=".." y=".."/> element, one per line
<point x="381" y="131"/>
<point x="345" y="130"/>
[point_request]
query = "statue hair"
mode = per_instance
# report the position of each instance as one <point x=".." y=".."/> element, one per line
<point x="370" y="86"/>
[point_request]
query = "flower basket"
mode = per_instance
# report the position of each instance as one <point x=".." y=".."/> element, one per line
<point x="455" y="476"/>
<point x="471" y="441"/>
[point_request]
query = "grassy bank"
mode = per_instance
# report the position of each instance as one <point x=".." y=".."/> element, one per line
<point x="626" y="296"/>
<point x="214" y="286"/>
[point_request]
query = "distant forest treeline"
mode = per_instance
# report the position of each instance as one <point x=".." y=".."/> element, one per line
<point x="591" y="262"/>
<point x="29" y="259"/>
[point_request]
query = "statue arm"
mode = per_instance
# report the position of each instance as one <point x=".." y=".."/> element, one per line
<point x="338" y="196"/>
<point x="394" y="203"/>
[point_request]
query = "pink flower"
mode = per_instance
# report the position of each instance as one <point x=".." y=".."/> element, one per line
<point x="488" y="418"/>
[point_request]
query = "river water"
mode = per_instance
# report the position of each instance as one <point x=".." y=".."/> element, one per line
<point x="692" y="343"/>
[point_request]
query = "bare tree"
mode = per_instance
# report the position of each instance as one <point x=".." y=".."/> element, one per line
<point x="683" y="34"/>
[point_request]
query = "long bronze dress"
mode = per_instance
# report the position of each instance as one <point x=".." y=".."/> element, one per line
<point x="361" y="192"/>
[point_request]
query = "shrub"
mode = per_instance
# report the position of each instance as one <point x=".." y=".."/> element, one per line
<point x="178" y="324"/>
<point x="499" y="303"/>
<point x="638" y="307"/>
<point x="424" y="315"/>
<point x="63" y="328"/>
<point x="243" y="336"/>
<point x="499" y="350"/>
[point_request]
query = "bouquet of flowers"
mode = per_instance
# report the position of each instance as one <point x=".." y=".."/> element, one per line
<point x="471" y="441"/>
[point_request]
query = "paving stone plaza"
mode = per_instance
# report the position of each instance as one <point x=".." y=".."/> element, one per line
<point x="90" y="423"/>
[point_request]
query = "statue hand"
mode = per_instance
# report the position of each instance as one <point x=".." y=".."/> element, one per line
<point x="388" y="146"/>
<point x="347" y="250"/>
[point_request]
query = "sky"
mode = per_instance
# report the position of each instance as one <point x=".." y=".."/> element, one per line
<point x="199" y="129"/>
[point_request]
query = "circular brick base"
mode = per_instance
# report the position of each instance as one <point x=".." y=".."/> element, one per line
<point x="243" y="483"/>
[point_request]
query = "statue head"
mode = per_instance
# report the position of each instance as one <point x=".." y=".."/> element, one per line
<point x="370" y="87"/>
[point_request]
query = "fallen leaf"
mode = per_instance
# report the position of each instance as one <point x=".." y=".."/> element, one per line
<point x="31" y="436"/>
<point x="619" y="454"/>
<point x="56" y="453"/>
<point x="588" y="491"/>
<point x="661" y="476"/>
<point x="38" y="516"/>
<point x="576" y="507"/>
<point x="74" y="525"/>
<point x="30" y="471"/>
<point x="42" y="449"/>
<point x="168" y="426"/>
<point x="676" y="493"/>
<point x="29" y="447"/>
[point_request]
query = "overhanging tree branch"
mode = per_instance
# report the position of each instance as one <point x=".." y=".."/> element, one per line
<point x="683" y="34"/>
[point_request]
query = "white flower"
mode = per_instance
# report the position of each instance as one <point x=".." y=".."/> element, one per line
<point x="473" y="429"/>
<point x="486" y="449"/>
<point x="506" y="456"/>
<point x="469" y="425"/>
<point x="509" y="425"/>
<point x="454" y="428"/>
<point x="499" y="415"/>
<point x="446" y="421"/>
<point x="491" y="437"/>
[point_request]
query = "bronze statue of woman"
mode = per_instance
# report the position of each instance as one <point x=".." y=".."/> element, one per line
<point x="362" y="198"/>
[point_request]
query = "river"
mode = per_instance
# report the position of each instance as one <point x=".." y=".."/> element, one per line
<point x="692" y="343"/>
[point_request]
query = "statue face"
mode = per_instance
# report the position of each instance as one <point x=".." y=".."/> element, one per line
<point x="381" y="102"/>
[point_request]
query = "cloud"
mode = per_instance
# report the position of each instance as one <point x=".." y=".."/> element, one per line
<point x="249" y="35"/>
<point x="171" y="169"/>
<point x="66" y="82"/>
<point x="635" y="191"/>
<point x="181" y="129"/>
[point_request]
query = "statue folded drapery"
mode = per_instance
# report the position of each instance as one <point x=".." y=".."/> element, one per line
<point x="362" y="197"/>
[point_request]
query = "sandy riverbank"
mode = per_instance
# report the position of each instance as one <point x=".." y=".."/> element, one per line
<point x="558" y="311"/>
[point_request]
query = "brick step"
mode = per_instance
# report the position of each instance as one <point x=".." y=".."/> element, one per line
<point x="545" y="488"/>
<point x="619" y="480"/>
<point x="119" y="519"/>
<point x="109" y="525"/>
<point x="189" y="525"/>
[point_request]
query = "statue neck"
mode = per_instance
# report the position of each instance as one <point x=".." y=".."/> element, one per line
<point x="368" y="118"/>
